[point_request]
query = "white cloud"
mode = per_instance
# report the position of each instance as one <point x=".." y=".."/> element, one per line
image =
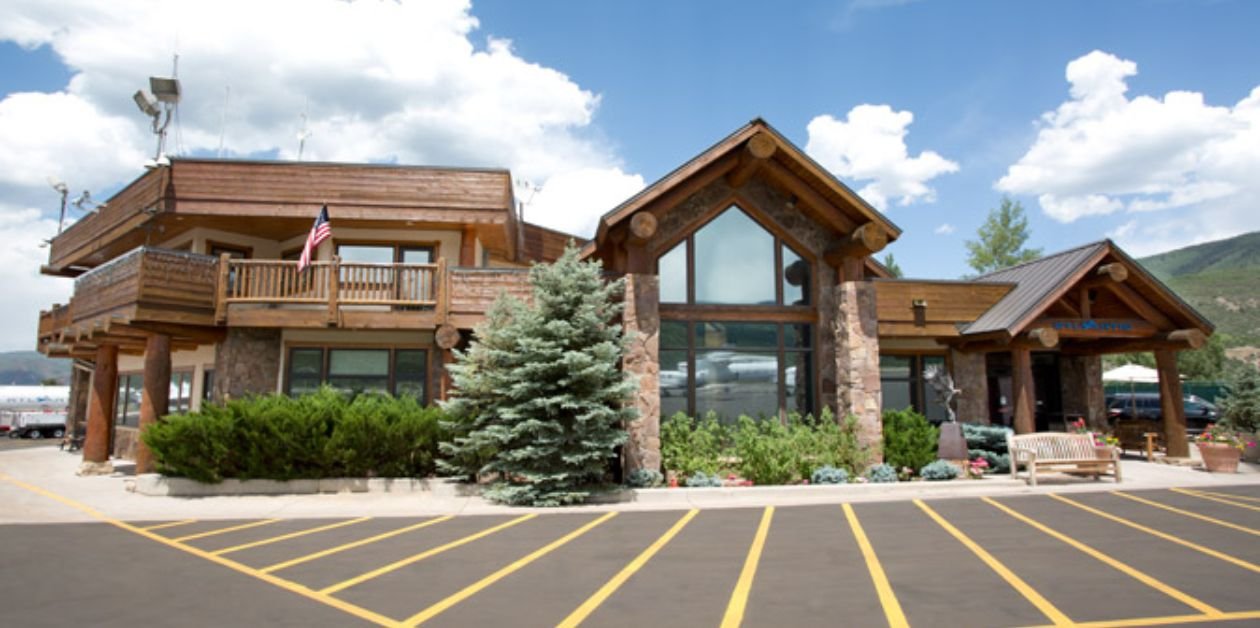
<point x="870" y="145"/>
<point x="26" y="291"/>
<point x="405" y="82"/>
<point x="573" y="201"/>
<point x="944" y="229"/>
<point x="1102" y="152"/>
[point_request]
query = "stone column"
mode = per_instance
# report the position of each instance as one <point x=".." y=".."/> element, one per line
<point x="857" y="362"/>
<point x="101" y="405"/>
<point x="641" y="319"/>
<point x="155" y="397"/>
<point x="1081" y="385"/>
<point x="246" y="362"/>
<point x="971" y="377"/>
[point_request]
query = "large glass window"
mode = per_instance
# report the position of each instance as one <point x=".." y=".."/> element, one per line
<point x="734" y="368"/>
<point x="179" y="398"/>
<point x="902" y="385"/>
<point x="130" y="388"/>
<point x="732" y="260"/>
<point x="394" y="371"/>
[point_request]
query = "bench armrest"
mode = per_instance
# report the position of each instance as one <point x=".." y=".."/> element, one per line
<point x="1022" y="455"/>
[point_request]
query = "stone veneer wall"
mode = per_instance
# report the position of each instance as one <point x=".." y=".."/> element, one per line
<point x="813" y="236"/>
<point x="247" y="361"/>
<point x="1080" y="380"/>
<point x="642" y="321"/>
<point x="857" y="360"/>
<point x="971" y="378"/>
<point x="126" y="439"/>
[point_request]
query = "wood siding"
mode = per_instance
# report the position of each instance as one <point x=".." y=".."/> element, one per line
<point x="947" y="304"/>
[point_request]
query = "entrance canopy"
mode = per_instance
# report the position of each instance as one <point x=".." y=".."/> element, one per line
<point x="1134" y="373"/>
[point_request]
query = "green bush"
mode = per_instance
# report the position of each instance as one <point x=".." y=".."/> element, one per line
<point x="765" y="451"/>
<point x="1240" y="408"/>
<point x="829" y="475"/>
<point x="909" y="440"/>
<point x="824" y="441"/>
<point x="689" y="446"/>
<point x="324" y="434"/>
<point x="881" y="474"/>
<point x="939" y="470"/>
<point x="988" y="442"/>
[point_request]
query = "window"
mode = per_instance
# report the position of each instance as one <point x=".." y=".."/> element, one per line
<point x="386" y="254"/>
<point x="394" y="371"/>
<point x="207" y="384"/>
<point x="902" y="385"/>
<point x="130" y="388"/>
<point x="179" y="400"/>
<point x="734" y="368"/>
<point x="732" y="260"/>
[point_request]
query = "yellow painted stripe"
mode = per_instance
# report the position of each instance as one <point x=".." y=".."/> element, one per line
<point x="291" y="535"/>
<point x="399" y="564"/>
<point x="348" y="546"/>
<point x="243" y="526"/>
<point x="1228" y="495"/>
<point x="1142" y="577"/>
<point x="582" y="612"/>
<point x="739" y="597"/>
<point x="293" y="587"/>
<point x="474" y="588"/>
<point x="1163" y="535"/>
<point x="1057" y="617"/>
<point x="1207" y="496"/>
<point x="1187" y="513"/>
<point x="892" y="608"/>
<point x="1168" y="620"/>
<point x="170" y="524"/>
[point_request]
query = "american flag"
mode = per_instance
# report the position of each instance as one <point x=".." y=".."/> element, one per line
<point x="320" y="231"/>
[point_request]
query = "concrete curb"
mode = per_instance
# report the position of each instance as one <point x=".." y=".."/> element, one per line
<point x="153" y="484"/>
<point x="802" y="493"/>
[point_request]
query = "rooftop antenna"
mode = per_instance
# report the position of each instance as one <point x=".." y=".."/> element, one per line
<point x="64" y="190"/>
<point x="159" y="103"/>
<point x="303" y="133"/>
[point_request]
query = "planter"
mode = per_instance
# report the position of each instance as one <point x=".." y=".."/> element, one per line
<point x="1220" y="457"/>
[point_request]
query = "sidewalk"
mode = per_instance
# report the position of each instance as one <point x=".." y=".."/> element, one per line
<point x="54" y="471"/>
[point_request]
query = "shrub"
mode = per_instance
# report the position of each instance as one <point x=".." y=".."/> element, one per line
<point x="689" y="445"/>
<point x="644" y="478"/>
<point x="882" y="474"/>
<point x="829" y="475"/>
<point x="702" y="479"/>
<point x="324" y="434"/>
<point x="825" y="441"/>
<point x="909" y="440"/>
<point x="988" y="442"/>
<point x="1240" y="408"/>
<point x="765" y="451"/>
<point x="939" y="470"/>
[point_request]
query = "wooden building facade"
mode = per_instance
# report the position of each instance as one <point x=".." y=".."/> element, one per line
<point x="750" y="280"/>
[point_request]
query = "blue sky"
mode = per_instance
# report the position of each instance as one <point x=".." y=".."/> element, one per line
<point x="923" y="106"/>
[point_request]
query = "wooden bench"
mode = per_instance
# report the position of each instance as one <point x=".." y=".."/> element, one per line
<point x="1061" y="451"/>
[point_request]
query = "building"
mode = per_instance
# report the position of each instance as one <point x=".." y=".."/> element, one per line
<point x="749" y="273"/>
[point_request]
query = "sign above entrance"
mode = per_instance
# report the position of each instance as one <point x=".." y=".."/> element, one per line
<point x="1099" y="327"/>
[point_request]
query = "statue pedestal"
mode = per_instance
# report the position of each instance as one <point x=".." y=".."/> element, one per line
<point x="952" y="445"/>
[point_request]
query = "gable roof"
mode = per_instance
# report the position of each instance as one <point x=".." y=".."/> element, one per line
<point x="1039" y="283"/>
<point x="810" y="171"/>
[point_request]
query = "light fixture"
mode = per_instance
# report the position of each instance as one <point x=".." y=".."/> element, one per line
<point x="147" y="103"/>
<point x="64" y="190"/>
<point x="163" y="98"/>
<point x="166" y="89"/>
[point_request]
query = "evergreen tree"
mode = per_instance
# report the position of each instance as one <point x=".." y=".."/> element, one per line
<point x="893" y="267"/>
<point x="1241" y="406"/>
<point x="1002" y="237"/>
<point x="540" y="398"/>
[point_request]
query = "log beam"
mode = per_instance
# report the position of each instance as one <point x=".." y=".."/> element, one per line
<point x="759" y="148"/>
<point x="1115" y="271"/>
<point x="1046" y="337"/>
<point x="1172" y="405"/>
<point x="864" y="241"/>
<point x="642" y="227"/>
<point x="155" y="393"/>
<point x="808" y="196"/>
<point x="1023" y="391"/>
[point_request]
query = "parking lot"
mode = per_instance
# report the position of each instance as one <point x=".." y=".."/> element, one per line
<point x="1165" y="557"/>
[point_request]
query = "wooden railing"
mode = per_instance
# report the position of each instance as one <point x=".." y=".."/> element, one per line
<point x="335" y="283"/>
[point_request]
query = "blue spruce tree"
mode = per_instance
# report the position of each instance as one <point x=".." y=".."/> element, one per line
<point x="539" y="399"/>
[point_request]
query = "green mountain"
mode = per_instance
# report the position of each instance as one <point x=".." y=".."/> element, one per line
<point x="1220" y="279"/>
<point x="27" y="368"/>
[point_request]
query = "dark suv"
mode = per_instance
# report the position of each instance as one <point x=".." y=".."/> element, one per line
<point x="1146" y="406"/>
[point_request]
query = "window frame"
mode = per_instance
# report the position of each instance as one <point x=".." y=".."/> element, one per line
<point x="391" y="351"/>
<point x="920" y="396"/>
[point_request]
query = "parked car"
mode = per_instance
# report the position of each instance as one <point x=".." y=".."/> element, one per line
<point x="1144" y="405"/>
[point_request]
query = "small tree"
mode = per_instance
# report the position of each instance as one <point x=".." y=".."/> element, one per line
<point x="891" y="264"/>
<point x="1002" y="238"/>
<point x="539" y="397"/>
<point x="1241" y="406"/>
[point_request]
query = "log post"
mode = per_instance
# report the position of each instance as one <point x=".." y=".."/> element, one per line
<point x="101" y="404"/>
<point x="1172" y="405"/>
<point x="334" y="285"/>
<point x="468" y="248"/>
<point x="221" y="292"/>
<point x="1023" y="392"/>
<point x="155" y="398"/>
